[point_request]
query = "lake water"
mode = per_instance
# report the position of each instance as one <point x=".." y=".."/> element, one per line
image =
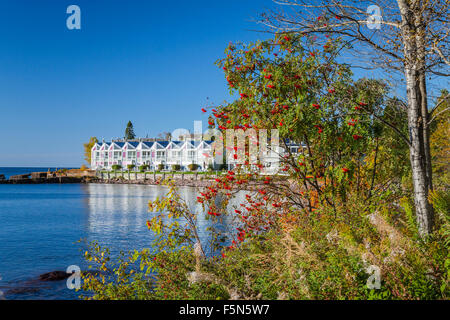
<point x="41" y="224"/>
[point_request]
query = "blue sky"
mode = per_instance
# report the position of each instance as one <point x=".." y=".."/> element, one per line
<point x="151" y="62"/>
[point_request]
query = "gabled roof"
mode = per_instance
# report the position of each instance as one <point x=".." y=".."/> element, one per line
<point x="176" y="144"/>
<point x="116" y="145"/>
<point x="133" y="144"/>
<point x="190" y="144"/>
<point x="146" y="144"/>
<point x="207" y="144"/>
<point x="162" y="144"/>
<point x="153" y="144"/>
<point x="105" y="145"/>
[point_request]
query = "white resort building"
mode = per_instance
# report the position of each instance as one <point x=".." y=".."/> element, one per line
<point x="152" y="153"/>
<point x="163" y="155"/>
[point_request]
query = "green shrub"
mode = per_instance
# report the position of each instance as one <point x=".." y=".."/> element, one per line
<point x="193" y="167"/>
<point x="160" y="167"/>
<point x="116" y="167"/>
<point x="131" y="167"/>
<point x="143" y="167"/>
<point x="176" y="167"/>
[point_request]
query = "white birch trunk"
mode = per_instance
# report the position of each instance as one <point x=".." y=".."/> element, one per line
<point x="415" y="120"/>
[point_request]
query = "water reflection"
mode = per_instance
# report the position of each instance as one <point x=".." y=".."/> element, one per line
<point x="119" y="212"/>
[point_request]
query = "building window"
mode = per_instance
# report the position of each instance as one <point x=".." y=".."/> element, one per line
<point x="191" y="154"/>
<point x="160" y="154"/>
<point x="131" y="154"/>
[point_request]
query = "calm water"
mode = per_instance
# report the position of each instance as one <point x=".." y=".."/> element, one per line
<point x="41" y="224"/>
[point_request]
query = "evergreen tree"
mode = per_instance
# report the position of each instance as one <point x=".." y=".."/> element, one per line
<point x="129" y="131"/>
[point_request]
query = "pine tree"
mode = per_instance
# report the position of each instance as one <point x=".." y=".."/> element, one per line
<point x="129" y="131"/>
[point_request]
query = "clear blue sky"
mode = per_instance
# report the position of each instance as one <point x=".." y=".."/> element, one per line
<point x="151" y="62"/>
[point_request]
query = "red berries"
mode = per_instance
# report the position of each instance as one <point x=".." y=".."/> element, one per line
<point x="344" y="170"/>
<point x="212" y="213"/>
<point x="270" y="86"/>
<point x="357" y="137"/>
<point x="315" y="105"/>
<point x="203" y="109"/>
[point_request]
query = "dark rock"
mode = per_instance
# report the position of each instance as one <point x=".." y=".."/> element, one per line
<point x="54" y="276"/>
<point x="37" y="175"/>
<point x="62" y="275"/>
<point x="20" y="177"/>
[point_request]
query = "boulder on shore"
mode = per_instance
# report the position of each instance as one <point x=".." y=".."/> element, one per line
<point x="62" y="275"/>
<point x="54" y="276"/>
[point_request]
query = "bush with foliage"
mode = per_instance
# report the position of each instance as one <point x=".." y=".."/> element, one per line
<point x="131" y="167"/>
<point x="116" y="167"/>
<point x="144" y="167"/>
<point x="160" y="167"/>
<point x="193" y="167"/>
<point x="176" y="167"/>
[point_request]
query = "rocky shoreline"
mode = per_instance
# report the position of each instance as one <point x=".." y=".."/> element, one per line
<point x="178" y="179"/>
<point x="177" y="182"/>
<point x="149" y="178"/>
<point x="44" y="180"/>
